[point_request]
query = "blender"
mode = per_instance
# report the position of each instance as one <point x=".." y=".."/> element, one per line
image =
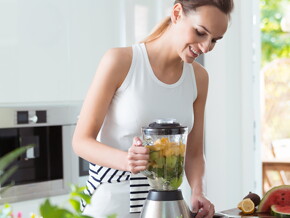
<point x="166" y="141"/>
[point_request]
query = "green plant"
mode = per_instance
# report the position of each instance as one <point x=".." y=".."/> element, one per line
<point x="5" y="161"/>
<point x="6" y="211"/>
<point x="47" y="210"/>
<point x="5" y="172"/>
<point x="275" y="42"/>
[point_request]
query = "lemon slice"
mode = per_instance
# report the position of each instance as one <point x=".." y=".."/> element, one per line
<point x="240" y="205"/>
<point x="247" y="206"/>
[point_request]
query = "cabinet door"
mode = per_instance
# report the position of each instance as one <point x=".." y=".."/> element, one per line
<point x="33" y="45"/>
<point x="49" y="49"/>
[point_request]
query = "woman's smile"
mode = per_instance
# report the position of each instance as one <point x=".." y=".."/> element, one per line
<point x="193" y="53"/>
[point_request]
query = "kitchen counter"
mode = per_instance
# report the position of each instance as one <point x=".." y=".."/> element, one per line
<point x="237" y="213"/>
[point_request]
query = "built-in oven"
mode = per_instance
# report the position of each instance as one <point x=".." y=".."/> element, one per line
<point x="50" y="165"/>
<point x="83" y="167"/>
<point x="43" y="162"/>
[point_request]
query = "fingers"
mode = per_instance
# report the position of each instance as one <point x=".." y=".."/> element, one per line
<point x="138" y="150"/>
<point x="137" y="147"/>
<point x="202" y="206"/>
<point x="211" y="210"/>
<point x="195" y="206"/>
<point x="137" y="141"/>
<point x="137" y="166"/>
<point x="137" y="156"/>
<point x="206" y="211"/>
<point x="201" y="213"/>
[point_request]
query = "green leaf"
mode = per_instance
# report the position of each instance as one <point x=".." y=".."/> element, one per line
<point x="6" y="211"/>
<point x="46" y="207"/>
<point x="7" y="174"/>
<point x="76" y="189"/>
<point x="75" y="204"/>
<point x="73" y="188"/>
<point x="85" y="197"/>
<point x="11" y="156"/>
<point x="112" y="216"/>
<point x="47" y="210"/>
<point x="79" y="193"/>
<point x="82" y="216"/>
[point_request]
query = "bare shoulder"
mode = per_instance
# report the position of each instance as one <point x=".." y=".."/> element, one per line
<point x="201" y="74"/>
<point x="201" y="77"/>
<point x="116" y="63"/>
<point x="120" y="58"/>
<point x="120" y="55"/>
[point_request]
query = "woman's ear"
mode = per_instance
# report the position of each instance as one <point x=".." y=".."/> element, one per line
<point x="176" y="13"/>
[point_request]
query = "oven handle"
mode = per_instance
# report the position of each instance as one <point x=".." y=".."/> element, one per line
<point x="33" y="119"/>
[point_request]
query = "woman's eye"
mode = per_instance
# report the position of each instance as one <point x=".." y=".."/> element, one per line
<point x="214" y="41"/>
<point x="199" y="33"/>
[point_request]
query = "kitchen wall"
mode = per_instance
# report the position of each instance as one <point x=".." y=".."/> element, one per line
<point x="49" y="51"/>
<point x="232" y="113"/>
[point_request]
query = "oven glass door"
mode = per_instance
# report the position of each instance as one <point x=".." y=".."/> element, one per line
<point x="43" y="162"/>
<point x="83" y="167"/>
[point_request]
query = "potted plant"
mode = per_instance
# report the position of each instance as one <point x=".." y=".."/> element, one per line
<point x="5" y="172"/>
<point x="46" y="209"/>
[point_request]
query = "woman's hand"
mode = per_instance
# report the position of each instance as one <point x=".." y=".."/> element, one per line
<point x="202" y="206"/>
<point x="137" y="156"/>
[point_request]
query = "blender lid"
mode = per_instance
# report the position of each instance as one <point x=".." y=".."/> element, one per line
<point x="164" y="127"/>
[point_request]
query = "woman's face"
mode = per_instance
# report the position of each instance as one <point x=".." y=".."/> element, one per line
<point x="198" y="31"/>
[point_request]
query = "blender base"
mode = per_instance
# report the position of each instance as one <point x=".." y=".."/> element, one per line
<point x="165" y="204"/>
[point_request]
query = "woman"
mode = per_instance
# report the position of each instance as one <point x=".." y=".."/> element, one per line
<point x="133" y="86"/>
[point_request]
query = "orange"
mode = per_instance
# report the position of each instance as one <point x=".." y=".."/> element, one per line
<point x="247" y="206"/>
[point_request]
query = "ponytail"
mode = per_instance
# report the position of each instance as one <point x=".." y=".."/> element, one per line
<point x="158" y="30"/>
<point x="225" y="6"/>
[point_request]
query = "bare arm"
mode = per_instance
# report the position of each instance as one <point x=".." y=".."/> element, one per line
<point x="110" y="74"/>
<point x="195" y="161"/>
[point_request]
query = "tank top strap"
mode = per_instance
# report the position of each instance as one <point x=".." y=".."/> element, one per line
<point x="135" y="63"/>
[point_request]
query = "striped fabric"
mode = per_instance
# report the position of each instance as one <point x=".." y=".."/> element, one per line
<point x="139" y="189"/>
<point x="139" y="186"/>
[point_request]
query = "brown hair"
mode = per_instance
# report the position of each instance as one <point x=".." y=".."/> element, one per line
<point x="225" y="6"/>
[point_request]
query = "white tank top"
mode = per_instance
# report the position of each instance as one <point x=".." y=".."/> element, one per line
<point x="143" y="98"/>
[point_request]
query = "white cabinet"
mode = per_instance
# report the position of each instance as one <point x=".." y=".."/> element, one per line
<point x="50" y="49"/>
<point x="33" y="50"/>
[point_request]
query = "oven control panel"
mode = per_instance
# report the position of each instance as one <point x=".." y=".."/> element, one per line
<point x="26" y="117"/>
<point x="45" y="114"/>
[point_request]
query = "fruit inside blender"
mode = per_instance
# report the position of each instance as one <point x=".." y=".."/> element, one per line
<point x="166" y="162"/>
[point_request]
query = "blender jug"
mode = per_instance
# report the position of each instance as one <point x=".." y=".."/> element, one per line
<point x="166" y="141"/>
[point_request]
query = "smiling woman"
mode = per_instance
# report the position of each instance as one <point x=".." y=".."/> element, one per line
<point x="133" y="86"/>
<point x="225" y="6"/>
<point x="205" y="23"/>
